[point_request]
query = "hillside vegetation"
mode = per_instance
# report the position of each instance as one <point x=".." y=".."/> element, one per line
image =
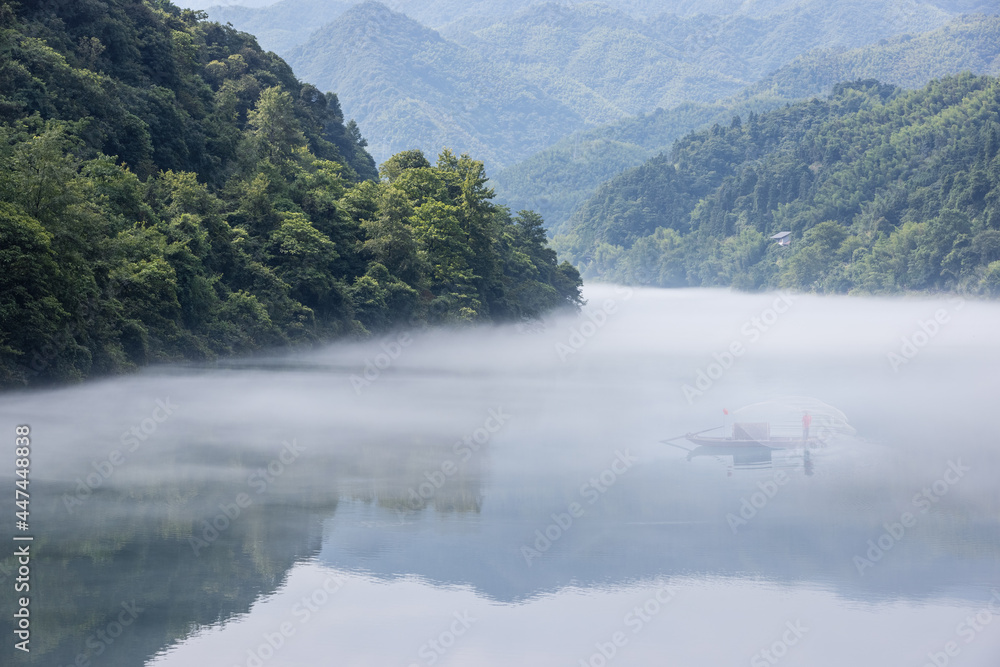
<point x="283" y="25"/>
<point x="170" y="191"/>
<point x="410" y="88"/>
<point x="883" y="190"/>
<point x="557" y="180"/>
<point x="504" y="88"/>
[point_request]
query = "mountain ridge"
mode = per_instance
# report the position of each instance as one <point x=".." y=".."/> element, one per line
<point x="884" y="191"/>
<point x="407" y="77"/>
<point x="516" y="85"/>
<point x="557" y="180"/>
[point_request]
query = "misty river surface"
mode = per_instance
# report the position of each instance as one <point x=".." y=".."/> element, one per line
<point x="502" y="495"/>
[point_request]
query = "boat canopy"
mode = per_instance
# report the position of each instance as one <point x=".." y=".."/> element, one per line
<point x="752" y="431"/>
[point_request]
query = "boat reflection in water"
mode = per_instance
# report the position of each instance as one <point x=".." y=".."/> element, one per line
<point x="757" y="458"/>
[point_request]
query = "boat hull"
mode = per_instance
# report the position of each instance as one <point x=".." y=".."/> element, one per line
<point x="733" y="443"/>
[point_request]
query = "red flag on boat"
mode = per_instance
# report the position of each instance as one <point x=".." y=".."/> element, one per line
<point x="724" y="411"/>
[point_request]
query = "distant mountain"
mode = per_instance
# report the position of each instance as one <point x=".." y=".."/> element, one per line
<point x="883" y="191"/>
<point x="556" y="181"/>
<point x="206" y="4"/>
<point x="283" y="25"/>
<point x="610" y="64"/>
<point x="408" y="87"/>
<point x="520" y="84"/>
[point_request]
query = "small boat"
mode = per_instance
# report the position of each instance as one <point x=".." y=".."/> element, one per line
<point x="749" y="435"/>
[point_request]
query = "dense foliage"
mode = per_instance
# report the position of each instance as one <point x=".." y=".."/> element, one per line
<point x="170" y="191"/>
<point x="557" y="180"/>
<point x="883" y="191"/>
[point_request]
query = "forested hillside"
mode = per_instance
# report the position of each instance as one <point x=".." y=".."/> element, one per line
<point x="883" y="190"/>
<point x="409" y="87"/>
<point x="610" y="64"/>
<point x="281" y="25"/>
<point x="557" y="180"/>
<point x="287" y="23"/>
<point x="170" y="191"/>
<point x="506" y="88"/>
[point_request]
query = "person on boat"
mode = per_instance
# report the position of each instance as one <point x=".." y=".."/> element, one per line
<point x="806" y="421"/>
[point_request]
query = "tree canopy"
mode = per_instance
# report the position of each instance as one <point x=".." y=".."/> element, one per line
<point x="883" y="190"/>
<point x="170" y="191"/>
<point x="559" y="179"/>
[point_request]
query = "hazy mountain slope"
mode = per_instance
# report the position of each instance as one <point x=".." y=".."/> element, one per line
<point x="520" y="84"/>
<point x="287" y="23"/>
<point x="206" y="4"/>
<point x="634" y="65"/>
<point x="409" y="88"/>
<point x="883" y="190"/>
<point x="967" y="43"/>
<point x="300" y="18"/>
<point x="282" y="25"/>
<point x="557" y="180"/>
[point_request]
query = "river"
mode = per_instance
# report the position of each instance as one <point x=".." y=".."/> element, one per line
<point x="502" y="495"/>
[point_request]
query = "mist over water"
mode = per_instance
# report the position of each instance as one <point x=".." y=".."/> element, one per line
<point x="502" y="495"/>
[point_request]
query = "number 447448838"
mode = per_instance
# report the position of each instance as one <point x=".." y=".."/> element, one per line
<point x="22" y="465"/>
